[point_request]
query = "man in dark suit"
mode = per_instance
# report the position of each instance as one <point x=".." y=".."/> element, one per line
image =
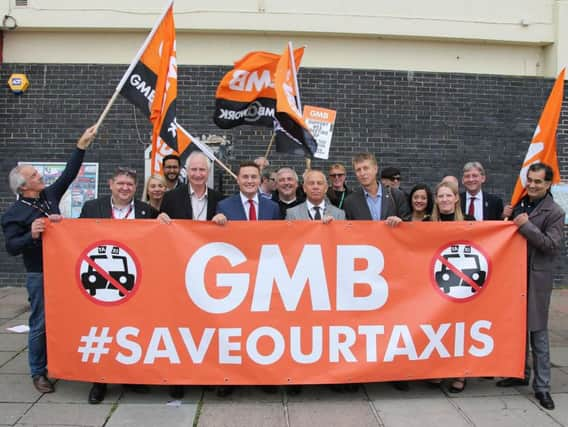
<point x="195" y="201"/>
<point x="247" y="205"/>
<point x="474" y="201"/>
<point x="119" y="205"/>
<point x="373" y="201"/>
<point x="541" y="221"/>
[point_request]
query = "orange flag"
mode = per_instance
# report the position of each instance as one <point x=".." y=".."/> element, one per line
<point x="246" y="95"/>
<point x="292" y="133"/>
<point x="543" y="145"/>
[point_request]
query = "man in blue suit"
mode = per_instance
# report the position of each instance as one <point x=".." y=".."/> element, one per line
<point x="247" y="205"/>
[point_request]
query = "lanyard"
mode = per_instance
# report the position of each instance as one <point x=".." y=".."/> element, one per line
<point x="342" y="197"/>
<point x="40" y="208"/>
<point x="125" y="216"/>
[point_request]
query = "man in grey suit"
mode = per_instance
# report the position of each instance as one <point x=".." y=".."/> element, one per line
<point x="541" y="222"/>
<point x="373" y="201"/>
<point x="316" y="207"/>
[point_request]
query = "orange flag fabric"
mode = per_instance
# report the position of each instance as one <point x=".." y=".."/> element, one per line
<point x="246" y="93"/>
<point x="543" y="145"/>
<point x="292" y="133"/>
<point x="300" y="303"/>
<point x="151" y="85"/>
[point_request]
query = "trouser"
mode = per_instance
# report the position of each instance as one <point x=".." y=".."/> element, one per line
<point x="540" y="349"/>
<point x="37" y="351"/>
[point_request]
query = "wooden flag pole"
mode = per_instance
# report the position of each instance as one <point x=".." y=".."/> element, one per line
<point x="132" y="65"/>
<point x="269" y="145"/>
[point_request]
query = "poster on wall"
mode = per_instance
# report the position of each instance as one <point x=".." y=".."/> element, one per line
<point x="321" y="122"/>
<point x="82" y="189"/>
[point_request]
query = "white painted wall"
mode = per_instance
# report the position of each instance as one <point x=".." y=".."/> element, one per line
<point x="518" y="37"/>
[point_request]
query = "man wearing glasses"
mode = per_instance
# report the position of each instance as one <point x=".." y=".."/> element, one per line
<point x="119" y="205"/>
<point x="338" y="191"/>
<point x="23" y="224"/>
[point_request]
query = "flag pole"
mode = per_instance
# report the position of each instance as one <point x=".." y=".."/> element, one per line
<point x="293" y="61"/>
<point x="132" y="65"/>
<point x="270" y="145"/>
<point x="205" y="149"/>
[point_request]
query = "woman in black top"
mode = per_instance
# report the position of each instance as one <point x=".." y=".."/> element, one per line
<point x="447" y="204"/>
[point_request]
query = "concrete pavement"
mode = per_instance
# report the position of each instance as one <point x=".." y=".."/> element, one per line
<point x="482" y="404"/>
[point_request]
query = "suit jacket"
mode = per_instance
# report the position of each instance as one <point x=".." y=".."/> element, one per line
<point x="234" y="210"/>
<point x="393" y="203"/>
<point x="101" y="208"/>
<point x="300" y="212"/>
<point x="177" y="203"/>
<point x="544" y="233"/>
<point x="492" y="206"/>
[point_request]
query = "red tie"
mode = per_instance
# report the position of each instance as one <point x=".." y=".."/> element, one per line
<point x="252" y="211"/>
<point x="471" y="209"/>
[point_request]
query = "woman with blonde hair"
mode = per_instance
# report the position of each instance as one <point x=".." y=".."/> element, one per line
<point x="447" y="208"/>
<point x="154" y="191"/>
<point x="447" y="203"/>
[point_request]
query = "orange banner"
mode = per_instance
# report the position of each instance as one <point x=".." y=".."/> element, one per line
<point x="196" y="303"/>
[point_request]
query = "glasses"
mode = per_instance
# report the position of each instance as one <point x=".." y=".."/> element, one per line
<point x="336" y="175"/>
<point x="171" y="167"/>
<point x="395" y="178"/>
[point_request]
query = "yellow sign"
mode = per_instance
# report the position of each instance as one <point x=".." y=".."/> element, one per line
<point x="18" y="83"/>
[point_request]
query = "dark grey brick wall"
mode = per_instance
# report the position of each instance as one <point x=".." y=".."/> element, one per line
<point x="428" y="124"/>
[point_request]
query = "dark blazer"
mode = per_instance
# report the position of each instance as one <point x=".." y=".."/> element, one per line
<point x="177" y="203"/>
<point x="492" y="206"/>
<point x="544" y="233"/>
<point x="393" y="203"/>
<point x="101" y="208"/>
<point x="233" y="209"/>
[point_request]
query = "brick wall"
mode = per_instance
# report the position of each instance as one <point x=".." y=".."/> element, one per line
<point x="428" y="124"/>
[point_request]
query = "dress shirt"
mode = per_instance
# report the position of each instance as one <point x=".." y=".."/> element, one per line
<point x="198" y="204"/>
<point x="477" y="205"/>
<point x="246" y="205"/>
<point x="312" y="211"/>
<point x="375" y="203"/>
<point x="126" y="212"/>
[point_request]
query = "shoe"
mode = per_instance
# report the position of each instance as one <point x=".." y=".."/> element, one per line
<point x="457" y="385"/>
<point x="177" y="392"/>
<point x="138" y="388"/>
<point x="224" y="391"/>
<point x="97" y="393"/>
<point x="434" y="384"/>
<point x="512" y="382"/>
<point x="401" y="385"/>
<point x="42" y="384"/>
<point x="545" y="400"/>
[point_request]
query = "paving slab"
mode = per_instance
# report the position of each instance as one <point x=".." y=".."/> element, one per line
<point x="5" y="356"/>
<point x="128" y="415"/>
<point x="17" y="388"/>
<point x="419" y="411"/>
<point x="16" y="365"/>
<point x="559" y="380"/>
<point x="328" y="414"/>
<point x="242" y="414"/>
<point x="11" y="290"/>
<point x="22" y="319"/>
<point x="10" y="413"/>
<point x="13" y="342"/>
<point x="559" y="356"/>
<point x="560" y="414"/>
<point x="67" y="414"/>
<point x="159" y="394"/>
<point x="505" y="411"/>
<point x="8" y="311"/>
<point x="324" y="392"/>
<point x="77" y="392"/>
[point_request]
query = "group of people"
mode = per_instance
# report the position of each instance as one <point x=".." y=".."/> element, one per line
<point x="266" y="194"/>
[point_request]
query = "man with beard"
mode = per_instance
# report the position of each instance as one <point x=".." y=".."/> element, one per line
<point x="171" y="165"/>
